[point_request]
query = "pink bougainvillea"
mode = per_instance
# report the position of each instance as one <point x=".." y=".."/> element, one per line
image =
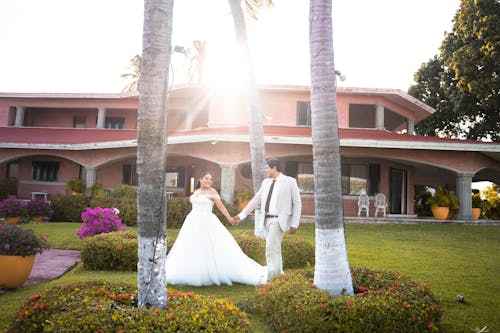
<point x="99" y="221"/>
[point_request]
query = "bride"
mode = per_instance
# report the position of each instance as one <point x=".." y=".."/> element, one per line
<point x="205" y="252"/>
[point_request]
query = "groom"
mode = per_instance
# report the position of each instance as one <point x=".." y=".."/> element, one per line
<point x="279" y="201"/>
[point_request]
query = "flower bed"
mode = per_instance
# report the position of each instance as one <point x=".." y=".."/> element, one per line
<point x="98" y="306"/>
<point x="12" y="207"/>
<point x="383" y="302"/>
<point x="18" y="241"/>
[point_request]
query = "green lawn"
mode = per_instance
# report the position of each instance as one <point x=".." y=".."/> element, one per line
<point x="451" y="259"/>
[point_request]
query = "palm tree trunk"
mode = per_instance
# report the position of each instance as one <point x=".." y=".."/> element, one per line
<point x="332" y="271"/>
<point x="152" y="152"/>
<point x="255" y="126"/>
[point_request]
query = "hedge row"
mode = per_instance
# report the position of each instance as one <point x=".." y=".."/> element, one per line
<point x="118" y="250"/>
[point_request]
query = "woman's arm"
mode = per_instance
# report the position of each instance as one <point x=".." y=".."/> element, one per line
<point x="218" y="202"/>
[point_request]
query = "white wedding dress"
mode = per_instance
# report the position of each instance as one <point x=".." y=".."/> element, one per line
<point x="205" y="252"/>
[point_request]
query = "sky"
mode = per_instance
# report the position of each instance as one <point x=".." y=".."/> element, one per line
<point x="83" y="46"/>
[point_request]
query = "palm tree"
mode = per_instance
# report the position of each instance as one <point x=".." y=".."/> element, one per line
<point x="152" y="153"/>
<point x="255" y="125"/>
<point x="133" y="74"/>
<point x="331" y="271"/>
<point x="197" y="61"/>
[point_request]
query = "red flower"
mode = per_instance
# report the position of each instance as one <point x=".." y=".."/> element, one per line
<point x="35" y="297"/>
<point x="406" y="305"/>
<point x="430" y="326"/>
<point x="349" y="303"/>
<point x="119" y="247"/>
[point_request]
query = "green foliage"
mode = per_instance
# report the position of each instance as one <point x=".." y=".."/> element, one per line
<point x="383" y="302"/>
<point x="112" y="251"/>
<point x="75" y="185"/>
<point x="19" y="241"/>
<point x="126" y="206"/>
<point x="68" y="208"/>
<point x="99" y="306"/>
<point x="443" y="198"/>
<point x="123" y="191"/>
<point x="97" y="190"/>
<point x="242" y="194"/>
<point x="421" y="196"/>
<point x="462" y="83"/>
<point x="7" y="187"/>
<point x="118" y="250"/>
<point x="177" y="210"/>
<point x="476" y="200"/>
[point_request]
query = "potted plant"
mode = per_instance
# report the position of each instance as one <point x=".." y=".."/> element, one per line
<point x="75" y="186"/>
<point x="443" y="204"/>
<point x="18" y="247"/>
<point x="37" y="209"/>
<point x="242" y="196"/>
<point x="12" y="209"/>
<point x="476" y="206"/>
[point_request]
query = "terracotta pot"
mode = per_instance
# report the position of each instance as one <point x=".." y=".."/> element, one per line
<point x="15" y="270"/>
<point x="476" y="212"/>
<point x="12" y="219"/>
<point x="38" y="218"/>
<point x="440" y="213"/>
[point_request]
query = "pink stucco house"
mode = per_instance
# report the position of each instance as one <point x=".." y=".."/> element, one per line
<point x="48" y="139"/>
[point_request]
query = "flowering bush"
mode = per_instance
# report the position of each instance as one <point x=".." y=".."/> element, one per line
<point x="12" y="207"/>
<point x="99" y="306"/>
<point x="38" y="208"/>
<point x="18" y="241"/>
<point x="383" y="302"/>
<point x="100" y="220"/>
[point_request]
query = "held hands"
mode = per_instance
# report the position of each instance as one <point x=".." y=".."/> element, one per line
<point x="293" y="230"/>
<point x="234" y="220"/>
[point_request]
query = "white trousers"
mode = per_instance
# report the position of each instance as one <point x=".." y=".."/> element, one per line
<point x="273" y="248"/>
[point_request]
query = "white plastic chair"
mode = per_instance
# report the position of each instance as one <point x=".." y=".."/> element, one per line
<point x="363" y="203"/>
<point x="380" y="204"/>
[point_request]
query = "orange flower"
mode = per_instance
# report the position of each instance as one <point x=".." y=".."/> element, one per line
<point x="119" y="247"/>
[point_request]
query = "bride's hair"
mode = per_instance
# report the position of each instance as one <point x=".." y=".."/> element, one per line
<point x="203" y="174"/>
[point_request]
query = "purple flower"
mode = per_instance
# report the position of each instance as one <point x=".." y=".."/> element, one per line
<point x="100" y="220"/>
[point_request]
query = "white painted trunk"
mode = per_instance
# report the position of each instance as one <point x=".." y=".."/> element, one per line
<point x="151" y="272"/>
<point x="332" y="271"/>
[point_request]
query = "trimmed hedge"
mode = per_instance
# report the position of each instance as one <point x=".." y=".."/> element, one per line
<point x="118" y="250"/>
<point x="112" y="251"/>
<point x="99" y="306"/>
<point x="383" y="302"/>
<point x="68" y="208"/>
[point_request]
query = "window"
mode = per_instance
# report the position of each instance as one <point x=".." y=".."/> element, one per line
<point x="114" y="123"/>
<point x="303" y="113"/>
<point x="129" y="175"/>
<point x="78" y="122"/>
<point x="13" y="170"/>
<point x="174" y="178"/>
<point x="360" y="178"/>
<point x="45" y="171"/>
<point x="305" y="177"/>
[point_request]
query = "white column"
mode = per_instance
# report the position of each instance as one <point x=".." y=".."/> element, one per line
<point x="464" y="194"/>
<point x="379" y="117"/>
<point x="411" y="126"/>
<point x="19" y="116"/>
<point x="227" y="182"/>
<point x="101" y="117"/>
<point x="90" y="176"/>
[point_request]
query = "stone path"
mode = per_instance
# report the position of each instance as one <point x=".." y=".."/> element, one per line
<point x="51" y="264"/>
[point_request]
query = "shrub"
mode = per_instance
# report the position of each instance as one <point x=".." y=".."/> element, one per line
<point x="69" y="208"/>
<point x="177" y="210"/>
<point x="75" y="185"/>
<point x="383" y="302"/>
<point x="18" y="241"/>
<point x="296" y="251"/>
<point x="112" y="251"/>
<point x="7" y="187"/>
<point x="127" y="207"/>
<point x="100" y="220"/>
<point x="123" y="191"/>
<point x="38" y="208"/>
<point x="98" y="306"/>
<point x="12" y="207"/>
